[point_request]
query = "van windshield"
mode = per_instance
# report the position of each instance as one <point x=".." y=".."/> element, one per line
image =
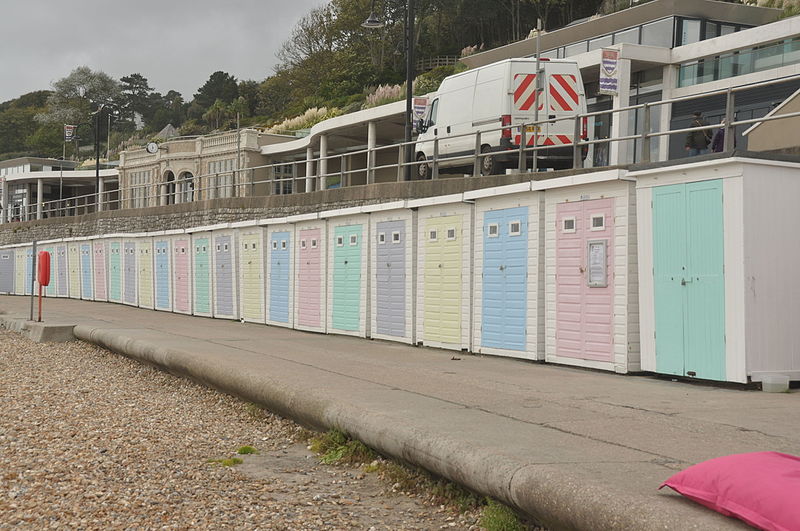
<point x="434" y="108"/>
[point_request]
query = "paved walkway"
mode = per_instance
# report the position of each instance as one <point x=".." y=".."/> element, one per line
<point x="576" y="449"/>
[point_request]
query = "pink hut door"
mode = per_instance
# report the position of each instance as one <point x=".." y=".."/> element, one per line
<point x="100" y="271"/>
<point x="309" y="278"/>
<point x="585" y="280"/>
<point x="181" y="249"/>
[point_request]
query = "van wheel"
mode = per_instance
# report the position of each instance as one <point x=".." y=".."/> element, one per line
<point x="489" y="164"/>
<point x="423" y="168"/>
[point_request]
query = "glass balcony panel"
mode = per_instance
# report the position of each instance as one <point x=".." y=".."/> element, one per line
<point x="658" y="33"/>
<point x="630" y="36"/>
<point x="601" y="42"/>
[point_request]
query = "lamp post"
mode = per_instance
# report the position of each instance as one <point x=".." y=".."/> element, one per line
<point x="373" y="22"/>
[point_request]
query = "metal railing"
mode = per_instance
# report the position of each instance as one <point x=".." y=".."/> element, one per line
<point x="314" y="175"/>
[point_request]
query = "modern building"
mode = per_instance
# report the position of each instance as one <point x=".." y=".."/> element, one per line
<point x="673" y="49"/>
<point x="33" y="188"/>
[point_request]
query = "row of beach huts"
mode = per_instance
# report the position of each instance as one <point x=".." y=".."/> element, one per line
<point x="682" y="270"/>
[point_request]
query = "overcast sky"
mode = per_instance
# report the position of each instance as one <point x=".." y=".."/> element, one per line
<point x="175" y="44"/>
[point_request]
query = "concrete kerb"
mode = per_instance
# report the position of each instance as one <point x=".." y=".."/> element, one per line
<point x="44" y="332"/>
<point x="541" y="490"/>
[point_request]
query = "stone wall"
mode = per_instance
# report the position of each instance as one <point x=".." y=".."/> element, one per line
<point x="210" y="212"/>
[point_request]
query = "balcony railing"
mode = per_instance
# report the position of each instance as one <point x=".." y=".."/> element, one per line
<point x="286" y="178"/>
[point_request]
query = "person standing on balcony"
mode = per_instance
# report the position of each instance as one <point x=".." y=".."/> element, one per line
<point x="697" y="141"/>
<point x="718" y="144"/>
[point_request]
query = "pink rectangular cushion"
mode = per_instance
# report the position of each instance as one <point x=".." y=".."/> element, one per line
<point x="761" y="488"/>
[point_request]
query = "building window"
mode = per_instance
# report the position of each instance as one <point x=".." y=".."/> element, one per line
<point x="139" y="184"/>
<point x="658" y="33"/>
<point x="689" y="31"/>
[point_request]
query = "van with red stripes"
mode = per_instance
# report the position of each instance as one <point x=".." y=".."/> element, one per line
<point x="486" y="99"/>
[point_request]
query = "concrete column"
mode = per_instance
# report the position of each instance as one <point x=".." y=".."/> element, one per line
<point x="101" y="188"/>
<point x="619" y="151"/>
<point x="371" y="141"/>
<point x="179" y="185"/>
<point x="668" y="82"/>
<point x="309" y="170"/>
<point x="4" y="201"/>
<point x="39" y="194"/>
<point x="323" y="162"/>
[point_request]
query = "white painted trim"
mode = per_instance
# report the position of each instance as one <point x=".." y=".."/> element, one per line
<point x="244" y="224"/>
<point x="498" y="190"/>
<point x="381" y="207"/>
<point x="297" y="218"/>
<point x="350" y="211"/>
<point x="436" y="200"/>
<point x="734" y="268"/>
<point x="272" y="221"/>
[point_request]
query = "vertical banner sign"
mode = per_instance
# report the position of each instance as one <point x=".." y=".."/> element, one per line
<point x="609" y="74"/>
<point x="69" y="132"/>
<point x="420" y="105"/>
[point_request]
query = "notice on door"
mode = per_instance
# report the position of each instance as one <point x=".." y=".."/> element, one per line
<point x="597" y="270"/>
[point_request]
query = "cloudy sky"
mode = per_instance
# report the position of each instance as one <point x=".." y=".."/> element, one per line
<point x="175" y="44"/>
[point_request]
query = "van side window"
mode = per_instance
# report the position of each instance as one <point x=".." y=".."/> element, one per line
<point x="434" y="109"/>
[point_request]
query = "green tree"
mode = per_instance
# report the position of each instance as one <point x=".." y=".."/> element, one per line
<point x="215" y="114"/>
<point x="16" y="125"/>
<point x="74" y="97"/>
<point x="135" y="92"/>
<point x="220" y="86"/>
<point x="47" y="141"/>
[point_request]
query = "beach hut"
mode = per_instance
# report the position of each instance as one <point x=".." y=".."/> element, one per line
<point x="61" y="269"/>
<point x="74" y="266"/>
<point x="100" y="268"/>
<point x="20" y="273"/>
<point x="162" y="271"/>
<point x="508" y="303"/>
<point x="202" y="279"/>
<point x="224" y="264"/>
<point x="144" y="264"/>
<point x="182" y="273"/>
<point x="86" y="262"/>
<point x="347" y="265"/>
<point x="250" y="241"/>
<point x="115" y="268"/>
<point x="310" y="238"/>
<point x="7" y="265"/>
<point x="444" y="263"/>
<point x="719" y="294"/>
<point x="391" y="267"/>
<point x="280" y="272"/>
<point x="591" y="280"/>
<point x="50" y="290"/>
<point x="130" y="273"/>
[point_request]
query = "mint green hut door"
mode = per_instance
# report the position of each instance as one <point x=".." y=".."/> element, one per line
<point x="689" y="281"/>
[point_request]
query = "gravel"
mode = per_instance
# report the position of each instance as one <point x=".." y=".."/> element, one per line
<point x="93" y="440"/>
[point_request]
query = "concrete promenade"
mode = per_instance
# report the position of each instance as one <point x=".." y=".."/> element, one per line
<point x="576" y="449"/>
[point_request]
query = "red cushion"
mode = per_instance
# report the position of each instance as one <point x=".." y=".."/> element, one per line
<point x="761" y="488"/>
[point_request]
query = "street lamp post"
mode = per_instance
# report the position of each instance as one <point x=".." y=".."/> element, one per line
<point x="373" y="22"/>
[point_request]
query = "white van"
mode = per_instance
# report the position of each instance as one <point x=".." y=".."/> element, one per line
<point x="496" y="95"/>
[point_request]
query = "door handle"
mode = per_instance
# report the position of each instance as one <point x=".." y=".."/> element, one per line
<point x="502" y="268"/>
<point x="448" y="128"/>
<point x="582" y="269"/>
<point x="684" y="281"/>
